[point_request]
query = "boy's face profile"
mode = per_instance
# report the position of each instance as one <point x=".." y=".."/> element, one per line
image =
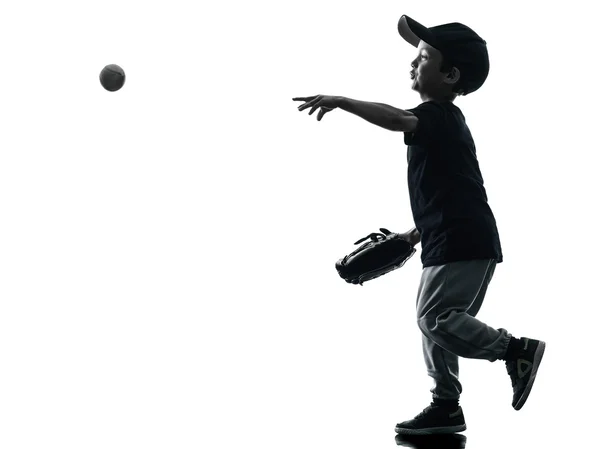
<point x="428" y="80"/>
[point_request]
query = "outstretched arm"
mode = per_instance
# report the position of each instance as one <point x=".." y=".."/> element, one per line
<point x="379" y="114"/>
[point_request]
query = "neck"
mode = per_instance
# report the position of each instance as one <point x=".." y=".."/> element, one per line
<point x="438" y="97"/>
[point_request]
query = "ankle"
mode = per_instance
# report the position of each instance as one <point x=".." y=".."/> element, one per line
<point x="513" y="350"/>
<point x="446" y="403"/>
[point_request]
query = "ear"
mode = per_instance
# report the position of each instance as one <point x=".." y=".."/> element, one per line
<point x="453" y="76"/>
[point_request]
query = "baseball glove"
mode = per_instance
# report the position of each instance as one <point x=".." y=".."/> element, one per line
<point x="380" y="255"/>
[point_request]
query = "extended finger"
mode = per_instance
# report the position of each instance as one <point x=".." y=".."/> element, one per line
<point x="308" y="101"/>
<point x="316" y="106"/>
<point x="312" y="102"/>
<point x="304" y="98"/>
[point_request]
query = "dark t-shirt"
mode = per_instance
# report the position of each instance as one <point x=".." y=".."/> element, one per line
<point x="447" y="197"/>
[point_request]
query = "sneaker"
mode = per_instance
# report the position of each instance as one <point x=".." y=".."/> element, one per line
<point x="523" y="370"/>
<point x="434" y="420"/>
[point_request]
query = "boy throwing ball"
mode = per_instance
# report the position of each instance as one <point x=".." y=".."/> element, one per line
<point x="453" y="221"/>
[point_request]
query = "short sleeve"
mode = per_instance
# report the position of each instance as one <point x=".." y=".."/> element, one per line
<point x="430" y="126"/>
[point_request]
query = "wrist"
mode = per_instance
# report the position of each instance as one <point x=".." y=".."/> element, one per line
<point x="414" y="236"/>
<point x="342" y="102"/>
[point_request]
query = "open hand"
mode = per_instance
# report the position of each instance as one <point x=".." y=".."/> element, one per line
<point x="325" y="102"/>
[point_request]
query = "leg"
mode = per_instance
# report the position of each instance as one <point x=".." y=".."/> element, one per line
<point x="449" y="298"/>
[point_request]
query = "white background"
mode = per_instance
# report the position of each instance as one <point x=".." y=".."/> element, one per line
<point x="167" y="251"/>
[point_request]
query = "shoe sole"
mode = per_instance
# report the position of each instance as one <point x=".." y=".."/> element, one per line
<point x="537" y="358"/>
<point x="432" y="430"/>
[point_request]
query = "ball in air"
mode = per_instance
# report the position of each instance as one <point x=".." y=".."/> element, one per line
<point x="112" y="77"/>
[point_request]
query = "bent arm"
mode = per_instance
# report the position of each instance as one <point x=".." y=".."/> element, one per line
<point x="383" y="115"/>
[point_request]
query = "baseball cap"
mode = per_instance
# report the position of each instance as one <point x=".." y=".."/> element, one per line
<point x="459" y="44"/>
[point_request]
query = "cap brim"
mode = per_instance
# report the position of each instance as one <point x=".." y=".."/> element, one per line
<point x="413" y="32"/>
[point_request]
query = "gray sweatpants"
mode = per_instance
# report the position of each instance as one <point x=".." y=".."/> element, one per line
<point x="448" y="300"/>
